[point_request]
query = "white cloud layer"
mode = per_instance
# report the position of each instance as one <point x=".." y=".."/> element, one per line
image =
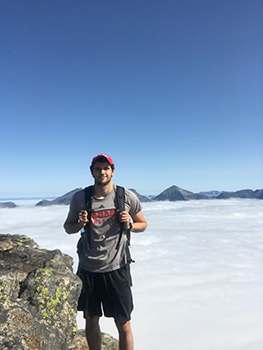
<point x="198" y="276"/>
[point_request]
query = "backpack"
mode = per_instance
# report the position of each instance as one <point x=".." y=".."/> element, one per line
<point x="120" y="194"/>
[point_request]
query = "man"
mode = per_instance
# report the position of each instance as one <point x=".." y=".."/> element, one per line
<point x="103" y="258"/>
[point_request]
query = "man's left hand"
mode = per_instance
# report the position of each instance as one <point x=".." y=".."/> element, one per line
<point x="125" y="218"/>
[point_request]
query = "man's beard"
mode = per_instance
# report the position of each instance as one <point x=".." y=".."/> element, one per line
<point x="101" y="183"/>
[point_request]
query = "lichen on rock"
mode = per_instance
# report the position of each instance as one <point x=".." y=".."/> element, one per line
<point x="38" y="299"/>
<point x="38" y="296"/>
<point x="108" y="342"/>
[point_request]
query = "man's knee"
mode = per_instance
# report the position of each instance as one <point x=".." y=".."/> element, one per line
<point x="93" y="321"/>
<point x="124" y="328"/>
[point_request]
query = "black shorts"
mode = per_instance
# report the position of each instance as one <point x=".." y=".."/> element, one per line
<point x="111" y="290"/>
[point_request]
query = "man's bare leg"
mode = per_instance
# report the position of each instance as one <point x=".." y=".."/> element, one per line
<point x="125" y="336"/>
<point x="93" y="333"/>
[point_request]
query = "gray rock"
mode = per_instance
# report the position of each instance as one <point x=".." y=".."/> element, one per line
<point x="38" y="299"/>
<point x="108" y="343"/>
<point x="38" y="296"/>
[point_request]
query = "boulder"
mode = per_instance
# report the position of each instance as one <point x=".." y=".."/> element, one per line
<point x="108" y="343"/>
<point x="38" y="298"/>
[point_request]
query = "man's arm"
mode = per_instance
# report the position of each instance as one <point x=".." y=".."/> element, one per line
<point x="139" y="223"/>
<point x="74" y="226"/>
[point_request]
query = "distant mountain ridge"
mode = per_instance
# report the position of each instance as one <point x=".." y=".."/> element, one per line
<point x="213" y="193"/>
<point x="66" y="198"/>
<point x="173" y="193"/>
<point x="62" y="200"/>
<point x="258" y="194"/>
<point x="141" y="197"/>
<point x="7" y="205"/>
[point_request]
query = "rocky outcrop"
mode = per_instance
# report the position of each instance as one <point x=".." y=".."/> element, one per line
<point x="38" y="296"/>
<point x="38" y="299"/>
<point x="108" y="343"/>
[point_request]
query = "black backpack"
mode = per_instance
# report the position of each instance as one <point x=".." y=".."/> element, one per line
<point x="120" y="193"/>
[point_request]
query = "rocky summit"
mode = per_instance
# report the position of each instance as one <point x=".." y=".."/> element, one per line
<point x="38" y="298"/>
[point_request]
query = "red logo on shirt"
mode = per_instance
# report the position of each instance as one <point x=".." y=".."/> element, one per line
<point x="99" y="217"/>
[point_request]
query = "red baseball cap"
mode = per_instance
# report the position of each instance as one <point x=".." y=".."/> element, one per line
<point x="102" y="155"/>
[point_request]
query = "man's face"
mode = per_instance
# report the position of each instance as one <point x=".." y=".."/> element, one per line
<point x="102" y="173"/>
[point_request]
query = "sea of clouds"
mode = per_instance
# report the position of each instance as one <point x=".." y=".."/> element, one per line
<point x="198" y="275"/>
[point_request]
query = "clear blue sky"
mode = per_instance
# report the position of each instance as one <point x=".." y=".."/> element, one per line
<point x="171" y="90"/>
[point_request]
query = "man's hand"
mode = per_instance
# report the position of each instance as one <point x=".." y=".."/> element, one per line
<point x="125" y="218"/>
<point x="83" y="217"/>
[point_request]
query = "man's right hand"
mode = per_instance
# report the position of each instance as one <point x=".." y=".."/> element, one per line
<point x="83" y="217"/>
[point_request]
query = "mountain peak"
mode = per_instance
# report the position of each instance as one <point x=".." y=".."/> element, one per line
<point x="175" y="193"/>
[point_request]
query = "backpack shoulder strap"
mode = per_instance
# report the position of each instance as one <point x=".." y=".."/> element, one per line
<point x="120" y="193"/>
<point x="89" y="193"/>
